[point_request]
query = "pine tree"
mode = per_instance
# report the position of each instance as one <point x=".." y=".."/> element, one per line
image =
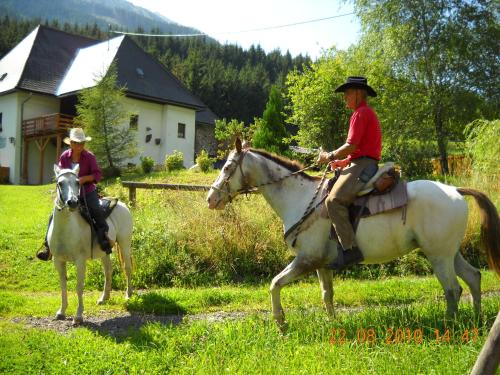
<point x="102" y="113"/>
<point x="271" y="132"/>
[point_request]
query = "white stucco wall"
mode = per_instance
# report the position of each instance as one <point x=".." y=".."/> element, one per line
<point x="10" y="152"/>
<point x="162" y="121"/>
<point x="172" y="115"/>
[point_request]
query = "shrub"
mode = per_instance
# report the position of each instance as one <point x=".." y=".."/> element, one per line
<point x="204" y="161"/>
<point x="147" y="164"/>
<point x="111" y="172"/>
<point x="174" y="161"/>
<point x="414" y="158"/>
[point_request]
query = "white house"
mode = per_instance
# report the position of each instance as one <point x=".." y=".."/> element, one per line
<point x="39" y="82"/>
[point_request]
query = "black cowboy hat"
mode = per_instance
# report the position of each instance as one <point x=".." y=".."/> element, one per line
<point x="358" y="83"/>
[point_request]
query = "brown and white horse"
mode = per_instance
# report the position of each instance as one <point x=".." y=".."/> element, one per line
<point x="436" y="220"/>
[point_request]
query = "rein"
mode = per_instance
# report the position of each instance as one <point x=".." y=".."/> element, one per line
<point x="248" y="189"/>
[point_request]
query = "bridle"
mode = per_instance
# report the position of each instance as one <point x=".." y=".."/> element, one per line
<point x="60" y="203"/>
<point x="246" y="188"/>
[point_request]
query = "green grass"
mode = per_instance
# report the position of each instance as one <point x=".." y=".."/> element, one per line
<point x="251" y="344"/>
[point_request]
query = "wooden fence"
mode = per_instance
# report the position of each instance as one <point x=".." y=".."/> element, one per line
<point x="133" y="186"/>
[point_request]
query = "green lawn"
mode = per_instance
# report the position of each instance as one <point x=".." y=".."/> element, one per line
<point x="394" y="325"/>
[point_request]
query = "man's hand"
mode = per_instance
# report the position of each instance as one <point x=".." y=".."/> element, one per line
<point x="339" y="164"/>
<point x="322" y="158"/>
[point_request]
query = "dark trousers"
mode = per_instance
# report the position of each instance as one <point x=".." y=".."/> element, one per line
<point x="95" y="212"/>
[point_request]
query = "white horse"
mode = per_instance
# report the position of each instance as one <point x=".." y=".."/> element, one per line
<point x="69" y="240"/>
<point x="436" y="220"/>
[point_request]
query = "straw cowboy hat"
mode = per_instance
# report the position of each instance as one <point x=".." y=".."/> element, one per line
<point x="76" y="135"/>
<point x="357" y="83"/>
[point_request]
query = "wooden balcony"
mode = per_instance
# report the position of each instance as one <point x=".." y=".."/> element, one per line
<point x="47" y="125"/>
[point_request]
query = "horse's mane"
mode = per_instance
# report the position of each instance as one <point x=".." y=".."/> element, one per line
<point x="291" y="165"/>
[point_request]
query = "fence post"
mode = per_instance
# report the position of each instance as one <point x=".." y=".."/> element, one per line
<point x="132" y="195"/>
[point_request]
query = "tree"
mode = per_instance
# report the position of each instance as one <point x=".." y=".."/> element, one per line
<point x="315" y="108"/>
<point x="271" y="133"/>
<point x="445" y="50"/>
<point x="102" y="113"/>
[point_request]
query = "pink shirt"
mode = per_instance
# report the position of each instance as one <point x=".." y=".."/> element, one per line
<point x="365" y="132"/>
<point x="88" y="166"/>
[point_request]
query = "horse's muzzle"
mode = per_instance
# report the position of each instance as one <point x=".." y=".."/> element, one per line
<point x="72" y="203"/>
<point x="214" y="200"/>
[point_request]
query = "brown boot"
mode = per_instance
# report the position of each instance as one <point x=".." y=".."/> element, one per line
<point x="44" y="253"/>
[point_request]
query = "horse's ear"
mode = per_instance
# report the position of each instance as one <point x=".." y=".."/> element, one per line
<point x="246" y="144"/>
<point x="76" y="169"/>
<point x="237" y="144"/>
<point x="56" y="169"/>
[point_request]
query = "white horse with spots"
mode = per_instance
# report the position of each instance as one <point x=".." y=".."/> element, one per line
<point x="436" y="220"/>
<point x="69" y="240"/>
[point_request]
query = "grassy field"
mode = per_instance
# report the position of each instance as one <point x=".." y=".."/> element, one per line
<point x="393" y="325"/>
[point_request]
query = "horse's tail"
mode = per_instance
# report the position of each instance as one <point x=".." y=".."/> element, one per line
<point x="490" y="226"/>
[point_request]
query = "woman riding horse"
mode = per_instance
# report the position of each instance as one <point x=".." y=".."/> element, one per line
<point x="358" y="159"/>
<point x="89" y="174"/>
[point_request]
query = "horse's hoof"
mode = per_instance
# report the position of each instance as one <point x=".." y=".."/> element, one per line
<point x="77" y="321"/>
<point x="60" y="317"/>
<point x="101" y="301"/>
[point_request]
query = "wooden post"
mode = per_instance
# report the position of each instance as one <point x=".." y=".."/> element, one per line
<point x="58" y="148"/>
<point x="489" y="357"/>
<point x="132" y="195"/>
<point x="41" y="147"/>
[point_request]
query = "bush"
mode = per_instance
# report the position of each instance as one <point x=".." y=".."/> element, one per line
<point x="482" y="145"/>
<point x="175" y="161"/>
<point x="147" y="164"/>
<point x="111" y="172"/>
<point x="204" y="161"/>
<point x="414" y="158"/>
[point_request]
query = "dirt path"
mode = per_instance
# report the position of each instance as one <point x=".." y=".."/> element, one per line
<point x="119" y="323"/>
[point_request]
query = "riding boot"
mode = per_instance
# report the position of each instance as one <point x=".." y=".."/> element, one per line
<point x="103" y="239"/>
<point x="44" y="252"/>
<point x="347" y="258"/>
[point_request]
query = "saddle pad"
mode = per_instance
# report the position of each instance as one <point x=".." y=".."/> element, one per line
<point x="397" y="197"/>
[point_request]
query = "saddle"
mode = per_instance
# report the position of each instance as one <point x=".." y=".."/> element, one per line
<point x="383" y="191"/>
<point x="107" y="205"/>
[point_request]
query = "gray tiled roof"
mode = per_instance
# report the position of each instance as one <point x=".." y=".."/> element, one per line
<point x="54" y="53"/>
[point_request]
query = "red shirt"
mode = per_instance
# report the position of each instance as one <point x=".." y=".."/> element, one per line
<point x="365" y="132"/>
<point x="88" y="165"/>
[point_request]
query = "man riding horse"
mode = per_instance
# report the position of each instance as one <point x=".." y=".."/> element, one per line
<point x="358" y="159"/>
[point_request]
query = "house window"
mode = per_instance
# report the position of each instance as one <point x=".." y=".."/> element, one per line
<point x="181" y="130"/>
<point x="134" y="121"/>
<point x="1" y="126"/>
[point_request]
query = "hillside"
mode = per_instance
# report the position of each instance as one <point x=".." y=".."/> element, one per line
<point x="118" y="13"/>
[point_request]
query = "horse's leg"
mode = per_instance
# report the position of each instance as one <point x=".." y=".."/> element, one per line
<point x="290" y="273"/>
<point x="444" y="269"/>
<point x="80" y="280"/>
<point x="125" y="244"/>
<point x="325" y="277"/>
<point x="61" y="269"/>
<point x="472" y="277"/>
<point x="106" y="265"/>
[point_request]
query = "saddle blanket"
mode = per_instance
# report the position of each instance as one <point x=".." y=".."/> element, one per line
<point x="397" y="197"/>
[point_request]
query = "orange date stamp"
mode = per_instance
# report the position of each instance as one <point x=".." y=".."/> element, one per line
<point x="402" y="335"/>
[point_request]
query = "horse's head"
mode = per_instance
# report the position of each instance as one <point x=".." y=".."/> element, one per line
<point x="67" y="187"/>
<point x="231" y="180"/>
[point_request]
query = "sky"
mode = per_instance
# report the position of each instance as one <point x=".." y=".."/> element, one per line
<point x="224" y="19"/>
